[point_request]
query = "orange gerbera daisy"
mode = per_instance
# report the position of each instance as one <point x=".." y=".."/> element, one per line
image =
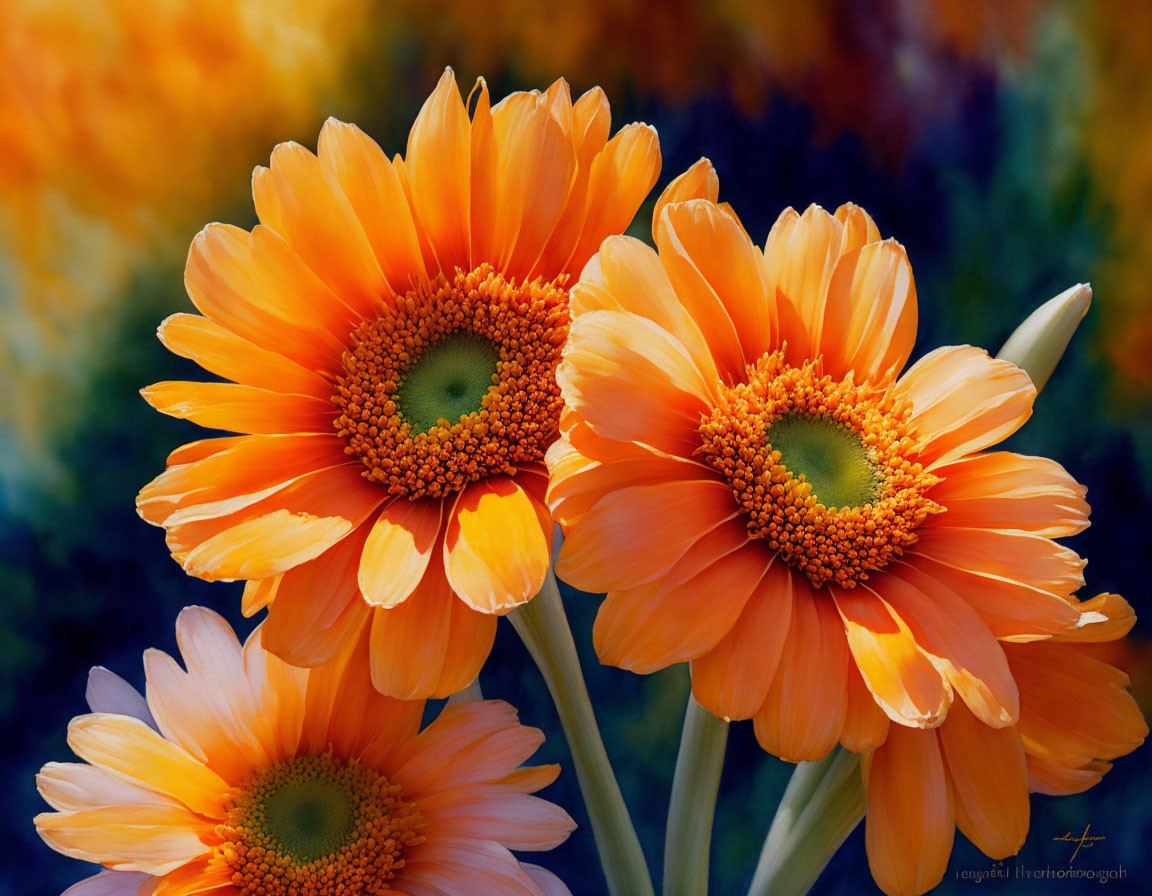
<point x="745" y="475"/>
<point x="1075" y="716"/>
<point x="392" y="329"/>
<point x="245" y="776"/>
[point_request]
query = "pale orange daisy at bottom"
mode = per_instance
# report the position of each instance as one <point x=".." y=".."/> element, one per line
<point x="246" y="776"/>
<point x="1076" y="715"/>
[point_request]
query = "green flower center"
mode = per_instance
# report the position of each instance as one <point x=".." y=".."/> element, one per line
<point x="826" y="472"/>
<point x="310" y="819"/>
<point x="319" y="826"/>
<point x="827" y="455"/>
<point x="448" y="381"/>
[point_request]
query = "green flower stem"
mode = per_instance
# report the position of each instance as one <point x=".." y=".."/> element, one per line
<point x="694" y="789"/>
<point x="824" y="801"/>
<point x="543" y="627"/>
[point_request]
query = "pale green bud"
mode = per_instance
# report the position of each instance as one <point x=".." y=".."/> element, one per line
<point x="1038" y="344"/>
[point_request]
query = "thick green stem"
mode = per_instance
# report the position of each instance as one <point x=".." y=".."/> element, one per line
<point x="822" y="805"/>
<point x="694" y="788"/>
<point x="543" y="627"/>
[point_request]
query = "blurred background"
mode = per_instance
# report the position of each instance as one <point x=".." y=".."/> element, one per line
<point x="1007" y="144"/>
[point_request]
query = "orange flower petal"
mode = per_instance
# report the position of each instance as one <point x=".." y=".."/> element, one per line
<point x="905" y="683"/>
<point x="660" y="399"/>
<point x="952" y="635"/>
<point x="516" y="820"/>
<point x="578" y="483"/>
<point x="964" y="401"/>
<point x="800" y="255"/>
<point x="1007" y="555"/>
<point x="621" y="177"/>
<point x="865" y="723"/>
<point x="220" y="351"/>
<point x="1074" y="709"/>
<point x="535" y="170"/>
<point x="732" y="679"/>
<point x="1118" y="619"/>
<point x="153" y="839"/>
<point x="1001" y="490"/>
<point x="316" y="219"/>
<point x="470" y="639"/>
<point x="989" y="780"/>
<point x="1012" y="607"/>
<point x="255" y="285"/>
<point x="432" y="644"/>
<point x="716" y="269"/>
<point x="73" y="786"/>
<point x="635" y="516"/>
<point x="651" y="627"/>
<point x="587" y="124"/>
<point x="243" y="409"/>
<point x="318" y="605"/>
<point x="910" y="822"/>
<point x="812" y="673"/>
<point x="258" y="593"/>
<point x="870" y="316"/>
<point x="398" y="549"/>
<point x="700" y="181"/>
<point x="496" y="551"/>
<point x="369" y="182"/>
<point x="199" y="877"/>
<point x="484" y="199"/>
<point x="276" y="533"/>
<point x="626" y="275"/>
<point x="409" y="641"/>
<point x="131" y="750"/>
<point x="345" y="713"/>
<point x="678" y="255"/>
<point x="463" y="865"/>
<point x="470" y="743"/>
<point x="438" y="163"/>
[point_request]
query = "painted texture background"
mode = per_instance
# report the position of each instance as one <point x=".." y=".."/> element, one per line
<point x="1007" y="145"/>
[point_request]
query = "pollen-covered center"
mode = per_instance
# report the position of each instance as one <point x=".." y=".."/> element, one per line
<point x="317" y="826"/>
<point x="825" y="471"/>
<point x="453" y="382"/>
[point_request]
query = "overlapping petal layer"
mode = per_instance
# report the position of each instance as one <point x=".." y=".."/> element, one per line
<point x="1076" y="715"/>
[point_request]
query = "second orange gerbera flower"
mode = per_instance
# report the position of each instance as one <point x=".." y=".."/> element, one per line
<point x="745" y="474"/>
<point x="391" y="330"/>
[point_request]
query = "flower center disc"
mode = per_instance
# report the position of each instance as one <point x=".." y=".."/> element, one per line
<point x="317" y="826"/>
<point x="825" y="471"/>
<point x="453" y="382"/>
<point x="829" y="457"/>
<point x="447" y="382"/>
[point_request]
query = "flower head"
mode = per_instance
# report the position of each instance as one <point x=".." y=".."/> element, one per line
<point x="761" y="491"/>
<point x="1075" y="717"/>
<point x="391" y="330"/>
<point x="244" y="776"/>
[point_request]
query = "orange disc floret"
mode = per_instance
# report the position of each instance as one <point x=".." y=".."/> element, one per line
<point x="882" y="502"/>
<point x="521" y="326"/>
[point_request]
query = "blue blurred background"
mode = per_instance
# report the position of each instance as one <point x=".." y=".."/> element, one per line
<point x="1007" y="145"/>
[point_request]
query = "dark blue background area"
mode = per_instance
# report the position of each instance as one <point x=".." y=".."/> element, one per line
<point x="84" y="581"/>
